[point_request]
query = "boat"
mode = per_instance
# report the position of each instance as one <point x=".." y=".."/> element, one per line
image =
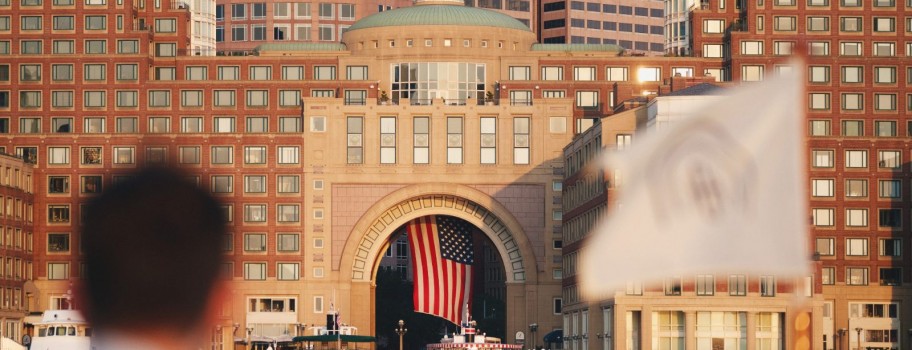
<point x="62" y="329"/>
<point x="471" y="339"/>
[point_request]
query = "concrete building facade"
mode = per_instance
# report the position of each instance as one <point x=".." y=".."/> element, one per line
<point x="637" y="26"/>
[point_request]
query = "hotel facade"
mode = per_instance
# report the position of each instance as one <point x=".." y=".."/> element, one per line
<point x="322" y="151"/>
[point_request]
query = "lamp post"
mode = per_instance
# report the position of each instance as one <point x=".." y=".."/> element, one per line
<point x="841" y="333"/>
<point x="249" y="332"/>
<point x="532" y="329"/>
<point x="401" y="330"/>
<point x="858" y="331"/>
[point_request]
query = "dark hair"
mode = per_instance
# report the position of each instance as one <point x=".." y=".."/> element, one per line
<point x="152" y="247"/>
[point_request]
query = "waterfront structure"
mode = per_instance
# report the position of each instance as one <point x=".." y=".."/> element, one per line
<point x="16" y="248"/>
<point x="636" y="26"/>
<point x="321" y="151"/>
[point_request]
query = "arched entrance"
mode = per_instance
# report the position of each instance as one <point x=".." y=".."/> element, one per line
<point x="379" y="224"/>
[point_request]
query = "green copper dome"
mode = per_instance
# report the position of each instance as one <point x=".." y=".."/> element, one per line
<point x="426" y="14"/>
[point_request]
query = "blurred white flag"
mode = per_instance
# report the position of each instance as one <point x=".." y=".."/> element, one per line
<point x="719" y="190"/>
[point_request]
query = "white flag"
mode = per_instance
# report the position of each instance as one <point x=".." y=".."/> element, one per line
<point x="720" y="190"/>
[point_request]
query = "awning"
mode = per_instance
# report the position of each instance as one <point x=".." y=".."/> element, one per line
<point x="555" y="336"/>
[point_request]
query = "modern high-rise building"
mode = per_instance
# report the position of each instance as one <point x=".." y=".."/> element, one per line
<point x="636" y="26"/>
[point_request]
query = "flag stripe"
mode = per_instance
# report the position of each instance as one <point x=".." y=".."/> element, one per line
<point x="442" y="284"/>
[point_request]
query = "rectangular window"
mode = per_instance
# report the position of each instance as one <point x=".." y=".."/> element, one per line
<point x="751" y="73"/>
<point x="29" y="99"/>
<point x="819" y="128"/>
<point x="856" y="276"/>
<point x="488" y="140"/>
<point x="825" y="246"/>
<point x="454" y="140"/>
<point x="288" y="155"/>
<point x="159" y="124"/>
<point x="387" y="140"/>
<point x="889" y="188"/>
<point x="61" y="99"/>
<point x="884" y="24"/>
<point x="254" y="154"/>
<point x="191" y="98"/>
<point x="888" y="159"/>
<point x="828" y="276"/>
<point x="255" y="271"/>
<point x="58" y="271"/>
<point x="884" y="49"/>
<point x="884" y="102"/>
<point x="818" y="24"/>
<point x="58" y="184"/>
<point x="223" y="124"/>
<point x="852" y="48"/>
<point x="784" y="23"/>
<point x="255" y="212"/>
<point x="189" y="155"/>
<point x="421" y="136"/>
<point x="165" y="73"/>
<point x="714" y="50"/>
<point x="127" y="46"/>
<point x="223" y="98"/>
<point x="257" y="98"/>
<point x="856" y="159"/>
<point x="289" y="124"/>
<point x="521" y="142"/>
<point x="822" y="217"/>
<point x="819" y="74"/>
<point x="767" y="286"/>
<point x="819" y="101"/>
<point x="856" y="188"/>
<point x="355" y="148"/>
<point x="552" y="73"/>
<point x="891" y="247"/>
<point x="159" y="98"/>
<point x="673" y="286"/>
<point x="713" y="26"/>
<point x="520" y="73"/>
<point x="584" y="73"/>
<point x="255" y="184"/>
<point x="228" y="72"/>
<point x="221" y="155"/>
<point x="288" y="213"/>
<point x="288" y="271"/>
<point x="288" y="183"/>
<point x="197" y="73"/>
<point x="891" y="218"/>
<point x="822" y="187"/>
<point x="856" y="217"/>
<point x="737" y="285"/>
<point x="885" y="75"/>
<point x="850" y="24"/>
<point x="706" y="285"/>
<point x="126" y="125"/>
<point x="124" y="155"/>
<point x="324" y="72"/>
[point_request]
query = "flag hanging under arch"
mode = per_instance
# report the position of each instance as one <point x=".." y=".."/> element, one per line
<point x="442" y="257"/>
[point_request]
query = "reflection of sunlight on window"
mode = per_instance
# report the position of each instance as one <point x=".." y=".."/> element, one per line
<point x="648" y="74"/>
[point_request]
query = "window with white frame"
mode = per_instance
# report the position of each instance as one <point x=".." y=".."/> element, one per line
<point x="822" y="187"/>
<point x="421" y="135"/>
<point x="822" y="216"/>
<point x="888" y="159"/>
<point x="520" y="72"/>
<point x="713" y="50"/>
<point x="584" y="73"/>
<point x="552" y="73"/>
<point x="751" y="47"/>
<point x="713" y="26"/>
<point x="488" y="140"/>
<point x="856" y="158"/>
<point x="354" y="140"/>
<point x="387" y="140"/>
<point x="454" y="140"/>
<point x="521" y="142"/>
<point x="751" y="73"/>
<point x="857" y="217"/>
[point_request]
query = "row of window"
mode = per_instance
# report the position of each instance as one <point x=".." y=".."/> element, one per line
<point x="859" y="276"/>
<point x="821" y="101"/>
<point x="253" y="213"/>
<point x="258" y="32"/>
<point x="13" y="237"/>
<point x="705" y="285"/>
<point x="856" y="188"/>
<point x="856" y="74"/>
<point x="162" y="98"/>
<point x="220" y="124"/>
<point x="31" y="3"/>
<point x="858" y="247"/>
<point x="751" y="73"/>
<point x="815" y="48"/>
<point x="284" y="155"/>
<point x="93" y="72"/>
<point x="614" y="26"/>
<point x="857" y="159"/>
<point x="284" y="10"/>
<point x="89" y="47"/>
<point x="813" y="24"/>
<point x="17" y="209"/>
<point x="606" y="8"/>
<point x="857" y="217"/>
<point x="842" y="3"/>
<point x="856" y="128"/>
<point x="223" y="184"/>
<point x="91" y="23"/>
<point x="254" y="271"/>
<point x="285" y="242"/>
<point x="586" y="73"/>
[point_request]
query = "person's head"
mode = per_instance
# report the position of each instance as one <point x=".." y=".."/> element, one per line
<point x="152" y="246"/>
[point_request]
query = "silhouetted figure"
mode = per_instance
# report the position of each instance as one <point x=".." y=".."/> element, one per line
<point x="152" y="247"/>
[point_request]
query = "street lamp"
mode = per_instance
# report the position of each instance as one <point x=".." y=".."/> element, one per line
<point x="841" y="333"/>
<point x="249" y="331"/>
<point x="858" y="330"/>
<point x="532" y="329"/>
<point x="401" y="330"/>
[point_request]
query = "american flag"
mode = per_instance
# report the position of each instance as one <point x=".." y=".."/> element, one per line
<point x="442" y="259"/>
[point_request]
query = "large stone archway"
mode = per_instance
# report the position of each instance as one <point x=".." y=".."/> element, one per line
<point x="365" y="244"/>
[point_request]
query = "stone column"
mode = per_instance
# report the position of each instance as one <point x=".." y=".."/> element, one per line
<point x="751" y="330"/>
<point x="690" y="329"/>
